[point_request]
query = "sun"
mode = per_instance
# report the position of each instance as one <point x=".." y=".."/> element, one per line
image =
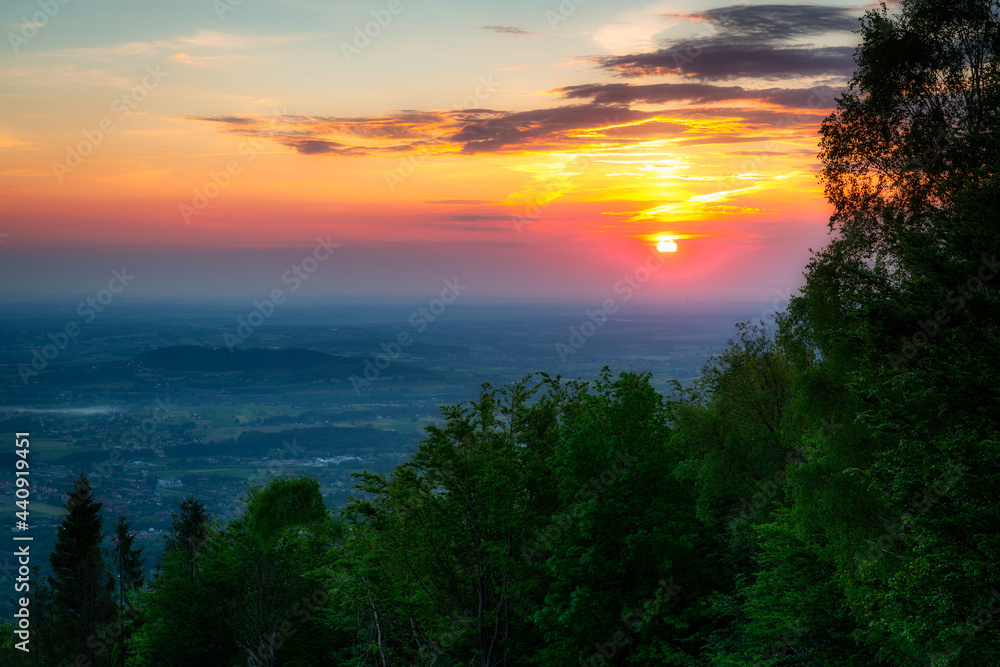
<point x="667" y="245"/>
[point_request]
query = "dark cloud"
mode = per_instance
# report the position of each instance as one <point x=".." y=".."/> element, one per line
<point x="745" y="41"/>
<point x="508" y="30"/>
<point x="492" y="134"/>
<point x="607" y="118"/>
<point x="731" y="61"/>
<point x="750" y="41"/>
<point x="778" y="22"/>
<point x="725" y="139"/>
<point x="799" y="151"/>
<point x="697" y="93"/>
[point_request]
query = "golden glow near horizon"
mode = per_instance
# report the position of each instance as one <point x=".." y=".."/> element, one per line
<point x="155" y="129"/>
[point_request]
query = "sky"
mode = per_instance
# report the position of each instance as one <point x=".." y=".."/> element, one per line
<point x="530" y="149"/>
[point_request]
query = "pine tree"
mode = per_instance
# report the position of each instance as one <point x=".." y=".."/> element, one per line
<point x="82" y="605"/>
<point x="187" y="533"/>
<point x="128" y="567"/>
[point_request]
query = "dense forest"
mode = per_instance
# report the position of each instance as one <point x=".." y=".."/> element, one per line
<point x="825" y="494"/>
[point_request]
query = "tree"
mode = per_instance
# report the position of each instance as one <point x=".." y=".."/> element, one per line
<point x="901" y="312"/>
<point x="284" y="503"/>
<point x="439" y="545"/>
<point x="188" y="532"/>
<point x="259" y="566"/>
<point x="240" y="593"/>
<point x="629" y="566"/>
<point x="916" y="124"/>
<point x="82" y="604"/>
<point x="180" y="621"/>
<point x="128" y="566"/>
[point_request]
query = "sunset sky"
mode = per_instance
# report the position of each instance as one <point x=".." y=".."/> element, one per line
<point x="529" y="148"/>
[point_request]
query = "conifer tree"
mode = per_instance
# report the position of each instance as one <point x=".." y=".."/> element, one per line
<point x="187" y="533"/>
<point x="82" y="603"/>
<point x="127" y="559"/>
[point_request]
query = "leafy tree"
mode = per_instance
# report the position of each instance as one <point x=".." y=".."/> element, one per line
<point x="630" y="564"/>
<point x="901" y="310"/>
<point x="440" y="542"/>
<point x="916" y="124"/>
<point x="285" y="502"/>
<point x="260" y="570"/>
<point x="795" y="611"/>
<point x="250" y="592"/>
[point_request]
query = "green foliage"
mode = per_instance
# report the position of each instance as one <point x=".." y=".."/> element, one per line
<point x="902" y="310"/>
<point x="179" y="622"/>
<point x="444" y="573"/>
<point x="249" y="593"/>
<point x="187" y="534"/>
<point x="284" y="503"/>
<point x="628" y="573"/>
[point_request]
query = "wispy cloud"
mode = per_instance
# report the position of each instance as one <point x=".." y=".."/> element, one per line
<point x="508" y="30"/>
